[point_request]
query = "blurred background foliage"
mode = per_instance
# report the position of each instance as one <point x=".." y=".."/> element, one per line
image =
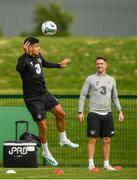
<point x="53" y="12"/>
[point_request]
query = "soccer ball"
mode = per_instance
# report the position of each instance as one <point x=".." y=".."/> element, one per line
<point x="49" y="28"/>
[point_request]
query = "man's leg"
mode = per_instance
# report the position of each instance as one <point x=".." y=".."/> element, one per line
<point x="60" y="117"/>
<point x="107" y="132"/>
<point x="106" y="148"/>
<point x="93" y="132"/>
<point x="106" y="153"/>
<point x="60" y="123"/>
<point x="42" y="125"/>
<point x="91" y="151"/>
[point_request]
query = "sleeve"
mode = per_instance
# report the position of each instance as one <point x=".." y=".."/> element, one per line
<point x="20" y="64"/>
<point x="114" y="97"/>
<point x="48" y="64"/>
<point x="83" y="94"/>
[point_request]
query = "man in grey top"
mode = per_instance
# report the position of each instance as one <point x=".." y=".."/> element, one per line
<point x="101" y="89"/>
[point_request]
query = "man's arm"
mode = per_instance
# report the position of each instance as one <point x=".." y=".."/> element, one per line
<point x="116" y="102"/>
<point x="82" y="98"/>
<point x="48" y="64"/>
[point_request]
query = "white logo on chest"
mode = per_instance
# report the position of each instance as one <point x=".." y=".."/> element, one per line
<point x="39" y="60"/>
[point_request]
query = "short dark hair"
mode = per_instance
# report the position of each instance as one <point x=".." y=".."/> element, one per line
<point x="32" y="40"/>
<point x="99" y="57"/>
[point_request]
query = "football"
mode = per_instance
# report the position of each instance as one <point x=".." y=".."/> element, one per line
<point x="49" y="28"/>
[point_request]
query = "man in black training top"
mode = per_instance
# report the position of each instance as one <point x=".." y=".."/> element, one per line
<point x="36" y="96"/>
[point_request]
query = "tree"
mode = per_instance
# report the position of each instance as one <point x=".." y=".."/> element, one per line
<point x="54" y="13"/>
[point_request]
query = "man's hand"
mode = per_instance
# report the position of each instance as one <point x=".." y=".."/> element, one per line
<point x="81" y="117"/>
<point x="120" y="116"/>
<point x="64" y="62"/>
<point x="26" y="47"/>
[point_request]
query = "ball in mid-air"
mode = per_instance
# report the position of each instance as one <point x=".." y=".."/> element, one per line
<point x="49" y="28"/>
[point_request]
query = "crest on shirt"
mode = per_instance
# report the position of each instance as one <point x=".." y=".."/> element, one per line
<point x="109" y="83"/>
<point x="39" y="60"/>
<point x="31" y="63"/>
<point x="97" y="83"/>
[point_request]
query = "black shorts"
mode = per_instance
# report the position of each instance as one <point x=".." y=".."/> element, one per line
<point x="100" y="125"/>
<point x="38" y="107"/>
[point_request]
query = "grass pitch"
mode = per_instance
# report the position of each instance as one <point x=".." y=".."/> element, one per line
<point x="69" y="173"/>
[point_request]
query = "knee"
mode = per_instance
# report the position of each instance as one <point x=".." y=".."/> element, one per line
<point x="106" y="140"/>
<point x="92" y="140"/>
<point x="42" y="126"/>
<point x="61" y="115"/>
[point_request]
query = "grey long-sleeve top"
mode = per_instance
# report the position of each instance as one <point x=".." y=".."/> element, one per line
<point x="102" y="91"/>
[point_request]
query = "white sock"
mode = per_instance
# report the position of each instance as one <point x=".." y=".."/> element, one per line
<point x="45" y="148"/>
<point x="106" y="163"/>
<point x="91" y="163"/>
<point x="63" y="136"/>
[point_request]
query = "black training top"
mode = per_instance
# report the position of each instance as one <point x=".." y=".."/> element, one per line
<point x="30" y="69"/>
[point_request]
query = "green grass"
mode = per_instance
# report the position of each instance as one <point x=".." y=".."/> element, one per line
<point x="69" y="173"/>
<point x="120" y="51"/>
